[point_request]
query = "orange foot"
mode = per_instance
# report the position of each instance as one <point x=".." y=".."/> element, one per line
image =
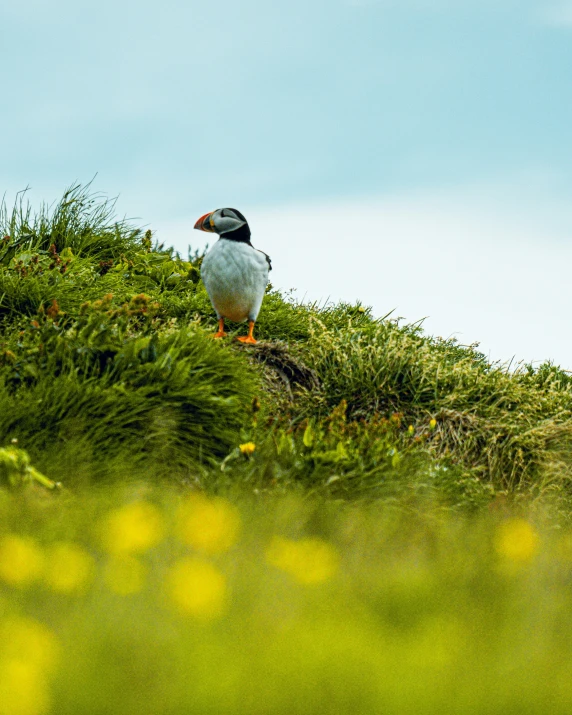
<point x="220" y="333"/>
<point x="249" y="339"/>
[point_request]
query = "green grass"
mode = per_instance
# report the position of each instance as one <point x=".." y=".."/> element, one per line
<point x="434" y="487"/>
<point x="104" y="350"/>
<point x="82" y="222"/>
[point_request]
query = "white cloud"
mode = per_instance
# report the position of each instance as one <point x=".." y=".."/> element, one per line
<point x="488" y="265"/>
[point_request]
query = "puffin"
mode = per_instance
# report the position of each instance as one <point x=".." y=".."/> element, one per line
<point x="235" y="273"/>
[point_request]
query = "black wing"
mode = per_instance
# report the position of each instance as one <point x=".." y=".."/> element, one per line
<point x="267" y="258"/>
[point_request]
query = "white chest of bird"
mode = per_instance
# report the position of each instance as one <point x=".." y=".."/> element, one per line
<point x="235" y="275"/>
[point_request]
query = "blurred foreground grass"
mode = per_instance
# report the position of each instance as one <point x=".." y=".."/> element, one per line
<point x="135" y="599"/>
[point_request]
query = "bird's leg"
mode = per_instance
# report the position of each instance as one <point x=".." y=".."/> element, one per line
<point x="220" y="333"/>
<point x="249" y="338"/>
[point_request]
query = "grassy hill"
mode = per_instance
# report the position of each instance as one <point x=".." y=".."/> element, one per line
<point x="107" y="367"/>
<point x="349" y="516"/>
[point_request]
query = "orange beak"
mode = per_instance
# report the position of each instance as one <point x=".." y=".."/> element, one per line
<point x="203" y="224"/>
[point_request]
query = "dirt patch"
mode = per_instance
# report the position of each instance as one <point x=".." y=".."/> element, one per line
<point x="283" y="371"/>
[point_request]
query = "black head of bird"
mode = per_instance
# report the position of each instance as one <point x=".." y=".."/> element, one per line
<point x="227" y="223"/>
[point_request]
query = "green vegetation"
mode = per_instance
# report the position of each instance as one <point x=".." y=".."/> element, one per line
<point x="140" y="600"/>
<point x="384" y="524"/>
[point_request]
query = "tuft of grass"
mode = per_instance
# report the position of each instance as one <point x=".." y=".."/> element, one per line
<point x="510" y="428"/>
<point x="81" y="221"/>
<point x="113" y="384"/>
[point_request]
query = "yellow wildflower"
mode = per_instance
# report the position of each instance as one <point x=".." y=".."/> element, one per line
<point x="197" y="588"/>
<point x="517" y="541"/>
<point x="433" y="423"/>
<point x="27" y="640"/>
<point x="411" y="429"/>
<point x="23" y="689"/>
<point x="133" y="528"/>
<point x="28" y="652"/>
<point x="125" y="575"/>
<point x="210" y="525"/>
<point x="68" y="568"/>
<point x="308" y="561"/>
<point x="21" y="560"/>
<point x="247" y="448"/>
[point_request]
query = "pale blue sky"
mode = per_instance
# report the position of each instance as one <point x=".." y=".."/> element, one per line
<point x="181" y="107"/>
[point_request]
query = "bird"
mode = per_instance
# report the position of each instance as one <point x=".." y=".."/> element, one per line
<point x="235" y="273"/>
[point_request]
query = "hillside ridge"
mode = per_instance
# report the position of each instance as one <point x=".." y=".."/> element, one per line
<point x="106" y="360"/>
